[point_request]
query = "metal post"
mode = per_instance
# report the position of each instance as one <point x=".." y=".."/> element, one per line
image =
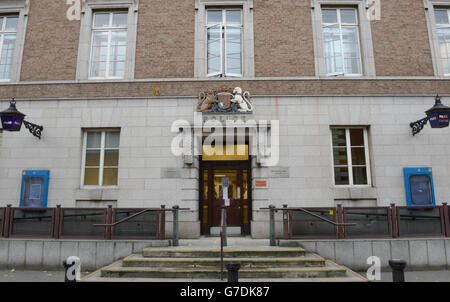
<point x="221" y="256"/>
<point x="285" y="222"/>
<point x="224" y="225"/>
<point x="162" y="218"/>
<point x="340" y="219"/>
<point x="109" y="220"/>
<point x="398" y="267"/>
<point x="395" y="231"/>
<point x="175" y="225"/>
<point x="56" y="221"/>
<point x="233" y="269"/>
<point x="7" y="223"/>
<point x="272" y="225"/>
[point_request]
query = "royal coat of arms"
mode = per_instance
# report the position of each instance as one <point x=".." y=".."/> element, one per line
<point x="224" y="100"/>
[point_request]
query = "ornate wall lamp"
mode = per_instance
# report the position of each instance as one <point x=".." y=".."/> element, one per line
<point x="12" y="120"/>
<point x="438" y="115"/>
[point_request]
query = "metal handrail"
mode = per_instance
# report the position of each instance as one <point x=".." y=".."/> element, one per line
<point x="137" y="214"/>
<point x="312" y="214"/>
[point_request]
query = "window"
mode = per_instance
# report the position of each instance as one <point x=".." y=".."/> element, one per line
<point x="341" y="41"/>
<point x="442" y="18"/>
<point x="100" y="158"/>
<point x="109" y="45"/>
<point x="224" y="42"/>
<point x="350" y="156"/>
<point x="342" y="38"/>
<point x="224" y="45"/>
<point x="8" y="32"/>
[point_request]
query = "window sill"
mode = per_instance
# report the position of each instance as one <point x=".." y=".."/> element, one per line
<point x="99" y="187"/>
<point x="354" y="192"/>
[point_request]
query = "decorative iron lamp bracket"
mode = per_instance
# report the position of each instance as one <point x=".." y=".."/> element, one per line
<point x="34" y="129"/>
<point x="417" y="126"/>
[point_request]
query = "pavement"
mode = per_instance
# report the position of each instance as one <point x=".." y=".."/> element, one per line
<point x="58" y="276"/>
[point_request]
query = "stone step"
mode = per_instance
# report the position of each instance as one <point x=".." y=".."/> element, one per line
<point x="139" y="261"/>
<point x="209" y="273"/>
<point x="215" y="253"/>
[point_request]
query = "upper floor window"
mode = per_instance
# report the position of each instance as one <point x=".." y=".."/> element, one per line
<point x="341" y="41"/>
<point x="342" y="35"/>
<point x="224" y="42"/>
<point x="109" y="45"/>
<point x="350" y="156"/>
<point x="8" y="32"/>
<point x="100" y="158"/>
<point x="442" y="18"/>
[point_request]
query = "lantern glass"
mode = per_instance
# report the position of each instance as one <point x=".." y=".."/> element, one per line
<point x="11" y="122"/>
<point x="439" y="119"/>
<point x="12" y="118"/>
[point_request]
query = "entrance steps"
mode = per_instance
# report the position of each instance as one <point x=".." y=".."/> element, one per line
<point x="199" y="260"/>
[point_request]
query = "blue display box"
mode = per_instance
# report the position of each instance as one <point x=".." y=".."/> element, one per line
<point x="34" y="189"/>
<point x="419" y="186"/>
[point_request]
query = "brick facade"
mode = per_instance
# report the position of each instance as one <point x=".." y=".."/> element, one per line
<point x="400" y="40"/>
<point x="51" y="44"/>
<point x="283" y="41"/>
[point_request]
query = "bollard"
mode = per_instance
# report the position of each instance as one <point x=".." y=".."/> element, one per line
<point x="272" y="225"/>
<point x="233" y="269"/>
<point x="398" y="266"/>
<point x="175" y="225"/>
<point x="72" y="268"/>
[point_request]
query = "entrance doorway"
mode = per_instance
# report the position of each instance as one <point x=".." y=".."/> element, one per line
<point x="213" y="174"/>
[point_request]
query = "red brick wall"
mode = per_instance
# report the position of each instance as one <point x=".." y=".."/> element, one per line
<point x="282" y="34"/>
<point x="51" y="43"/>
<point x="400" y="40"/>
<point x="283" y="38"/>
<point x="165" y="43"/>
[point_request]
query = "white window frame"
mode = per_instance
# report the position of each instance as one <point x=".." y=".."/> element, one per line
<point x="20" y="8"/>
<point x="341" y="25"/>
<point x="247" y="41"/>
<point x="430" y="6"/>
<point x="89" y="7"/>
<point x="109" y="29"/>
<point x="349" y="157"/>
<point x="102" y="158"/>
<point x="365" y="37"/>
<point x="223" y="45"/>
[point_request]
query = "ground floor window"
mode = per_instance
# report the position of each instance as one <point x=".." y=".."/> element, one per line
<point x="100" y="157"/>
<point x="350" y="156"/>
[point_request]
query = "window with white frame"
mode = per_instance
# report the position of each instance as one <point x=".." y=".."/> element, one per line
<point x="224" y="42"/>
<point x="100" y="158"/>
<point x="351" y="164"/>
<point x="442" y="19"/>
<point x="109" y="45"/>
<point x="341" y="43"/>
<point x="8" y="32"/>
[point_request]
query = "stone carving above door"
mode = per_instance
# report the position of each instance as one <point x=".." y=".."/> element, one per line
<point x="225" y="100"/>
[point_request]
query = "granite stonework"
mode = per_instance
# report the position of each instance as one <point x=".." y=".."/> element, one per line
<point x="151" y="175"/>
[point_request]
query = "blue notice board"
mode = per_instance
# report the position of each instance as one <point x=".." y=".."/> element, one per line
<point x="419" y="186"/>
<point x="34" y="189"/>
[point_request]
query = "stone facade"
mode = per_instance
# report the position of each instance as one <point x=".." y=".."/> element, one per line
<point x="285" y="87"/>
